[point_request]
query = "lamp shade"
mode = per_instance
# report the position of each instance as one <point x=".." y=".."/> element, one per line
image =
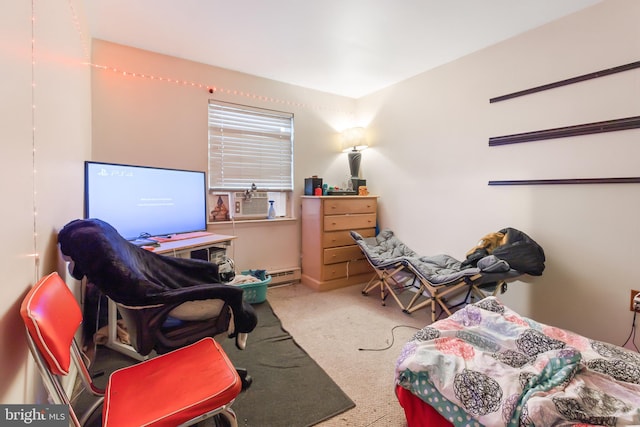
<point x="353" y="139"/>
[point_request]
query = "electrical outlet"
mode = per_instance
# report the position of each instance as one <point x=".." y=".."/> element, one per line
<point x="633" y="294"/>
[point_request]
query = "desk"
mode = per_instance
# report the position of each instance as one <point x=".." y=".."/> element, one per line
<point x="210" y="248"/>
<point x="213" y="244"/>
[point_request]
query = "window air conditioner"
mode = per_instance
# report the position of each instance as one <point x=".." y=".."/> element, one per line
<point x="256" y="205"/>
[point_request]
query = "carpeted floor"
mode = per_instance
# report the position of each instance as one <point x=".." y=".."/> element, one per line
<point x="356" y="340"/>
<point x="289" y="388"/>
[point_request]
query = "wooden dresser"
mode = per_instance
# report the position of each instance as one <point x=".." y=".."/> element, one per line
<point x="330" y="257"/>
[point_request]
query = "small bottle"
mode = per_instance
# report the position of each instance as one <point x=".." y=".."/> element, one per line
<point x="272" y="210"/>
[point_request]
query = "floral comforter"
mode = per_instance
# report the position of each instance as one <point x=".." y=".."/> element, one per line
<point x="487" y="365"/>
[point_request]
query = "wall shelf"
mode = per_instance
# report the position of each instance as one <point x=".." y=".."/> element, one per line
<point x="569" y="81"/>
<point x="563" y="132"/>
<point x="568" y="131"/>
<point x="627" y="180"/>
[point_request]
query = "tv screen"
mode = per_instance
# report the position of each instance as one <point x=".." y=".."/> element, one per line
<point x="141" y="201"/>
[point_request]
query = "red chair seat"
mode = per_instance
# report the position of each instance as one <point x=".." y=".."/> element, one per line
<point x="157" y="393"/>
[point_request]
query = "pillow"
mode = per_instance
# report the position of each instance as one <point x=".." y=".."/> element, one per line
<point x="198" y="310"/>
<point x="492" y="264"/>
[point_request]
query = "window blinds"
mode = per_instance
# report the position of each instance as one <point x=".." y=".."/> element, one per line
<point x="249" y="145"/>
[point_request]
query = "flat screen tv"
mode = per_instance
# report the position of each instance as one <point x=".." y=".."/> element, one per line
<point x="141" y="201"/>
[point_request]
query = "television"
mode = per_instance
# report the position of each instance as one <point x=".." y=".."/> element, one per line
<point x="142" y="201"/>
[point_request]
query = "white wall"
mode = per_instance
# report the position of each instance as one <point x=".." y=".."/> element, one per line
<point x="45" y="120"/>
<point x="154" y="122"/>
<point x="430" y="133"/>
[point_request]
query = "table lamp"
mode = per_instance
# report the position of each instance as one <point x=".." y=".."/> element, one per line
<point x="353" y="142"/>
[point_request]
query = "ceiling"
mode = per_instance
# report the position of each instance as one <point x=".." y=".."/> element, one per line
<point x="345" y="47"/>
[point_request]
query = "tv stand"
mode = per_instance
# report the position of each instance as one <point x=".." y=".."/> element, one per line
<point x="209" y="247"/>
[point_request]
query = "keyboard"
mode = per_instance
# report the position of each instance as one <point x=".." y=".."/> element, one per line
<point x="182" y="236"/>
<point x="144" y="242"/>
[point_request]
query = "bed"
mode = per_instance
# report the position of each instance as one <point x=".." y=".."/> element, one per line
<point x="488" y="366"/>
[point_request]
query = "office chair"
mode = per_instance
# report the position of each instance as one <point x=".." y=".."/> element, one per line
<point x="181" y="387"/>
<point x="165" y="302"/>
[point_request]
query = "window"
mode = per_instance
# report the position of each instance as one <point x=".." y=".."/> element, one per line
<point x="249" y="146"/>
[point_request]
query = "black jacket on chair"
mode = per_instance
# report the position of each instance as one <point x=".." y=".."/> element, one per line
<point x="150" y="285"/>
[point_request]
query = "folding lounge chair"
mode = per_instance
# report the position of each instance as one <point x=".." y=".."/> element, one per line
<point x="399" y="268"/>
<point x="387" y="255"/>
<point x="440" y="277"/>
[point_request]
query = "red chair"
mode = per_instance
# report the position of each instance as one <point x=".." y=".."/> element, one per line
<point x="181" y="387"/>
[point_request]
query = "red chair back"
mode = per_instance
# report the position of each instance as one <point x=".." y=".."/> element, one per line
<point x="52" y="316"/>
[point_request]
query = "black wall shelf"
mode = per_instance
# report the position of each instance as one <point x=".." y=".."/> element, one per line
<point x="568" y="131"/>
<point x="569" y="81"/>
<point x="629" y="180"/>
<point x="563" y="132"/>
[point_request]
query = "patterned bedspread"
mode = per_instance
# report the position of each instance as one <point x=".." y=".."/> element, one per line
<point x="488" y="366"/>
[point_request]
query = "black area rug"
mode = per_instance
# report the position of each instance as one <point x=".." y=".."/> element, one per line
<point x="289" y="388"/>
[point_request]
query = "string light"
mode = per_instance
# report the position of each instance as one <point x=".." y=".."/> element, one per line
<point x="35" y="253"/>
<point x="212" y="89"/>
<point x="34" y="136"/>
<point x="76" y="24"/>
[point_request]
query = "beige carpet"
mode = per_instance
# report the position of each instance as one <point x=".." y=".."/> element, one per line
<point x="331" y="326"/>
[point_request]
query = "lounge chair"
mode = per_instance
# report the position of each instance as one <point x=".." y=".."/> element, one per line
<point x="442" y="277"/>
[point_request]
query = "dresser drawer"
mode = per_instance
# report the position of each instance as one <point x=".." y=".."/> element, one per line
<point x="332" y="239"/>
<point x="350" y="206"/>
<point x="342" y="253"/>
<point x="349" y="222"/>
<point x="345" y="269"/>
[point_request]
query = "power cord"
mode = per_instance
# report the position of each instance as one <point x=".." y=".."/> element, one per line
<point x="632" y="334"/>
<point x="392" y="338"/>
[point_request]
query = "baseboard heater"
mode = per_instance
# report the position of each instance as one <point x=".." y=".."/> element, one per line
<point x="286" y="275"/>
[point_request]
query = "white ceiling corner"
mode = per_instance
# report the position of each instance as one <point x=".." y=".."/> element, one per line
<point x="346" y="47"/>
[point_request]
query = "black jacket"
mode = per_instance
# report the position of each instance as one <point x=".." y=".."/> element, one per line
<point x="133" y="276"/>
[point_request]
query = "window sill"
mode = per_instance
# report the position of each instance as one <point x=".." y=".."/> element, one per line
<point x="253" y="221"/>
